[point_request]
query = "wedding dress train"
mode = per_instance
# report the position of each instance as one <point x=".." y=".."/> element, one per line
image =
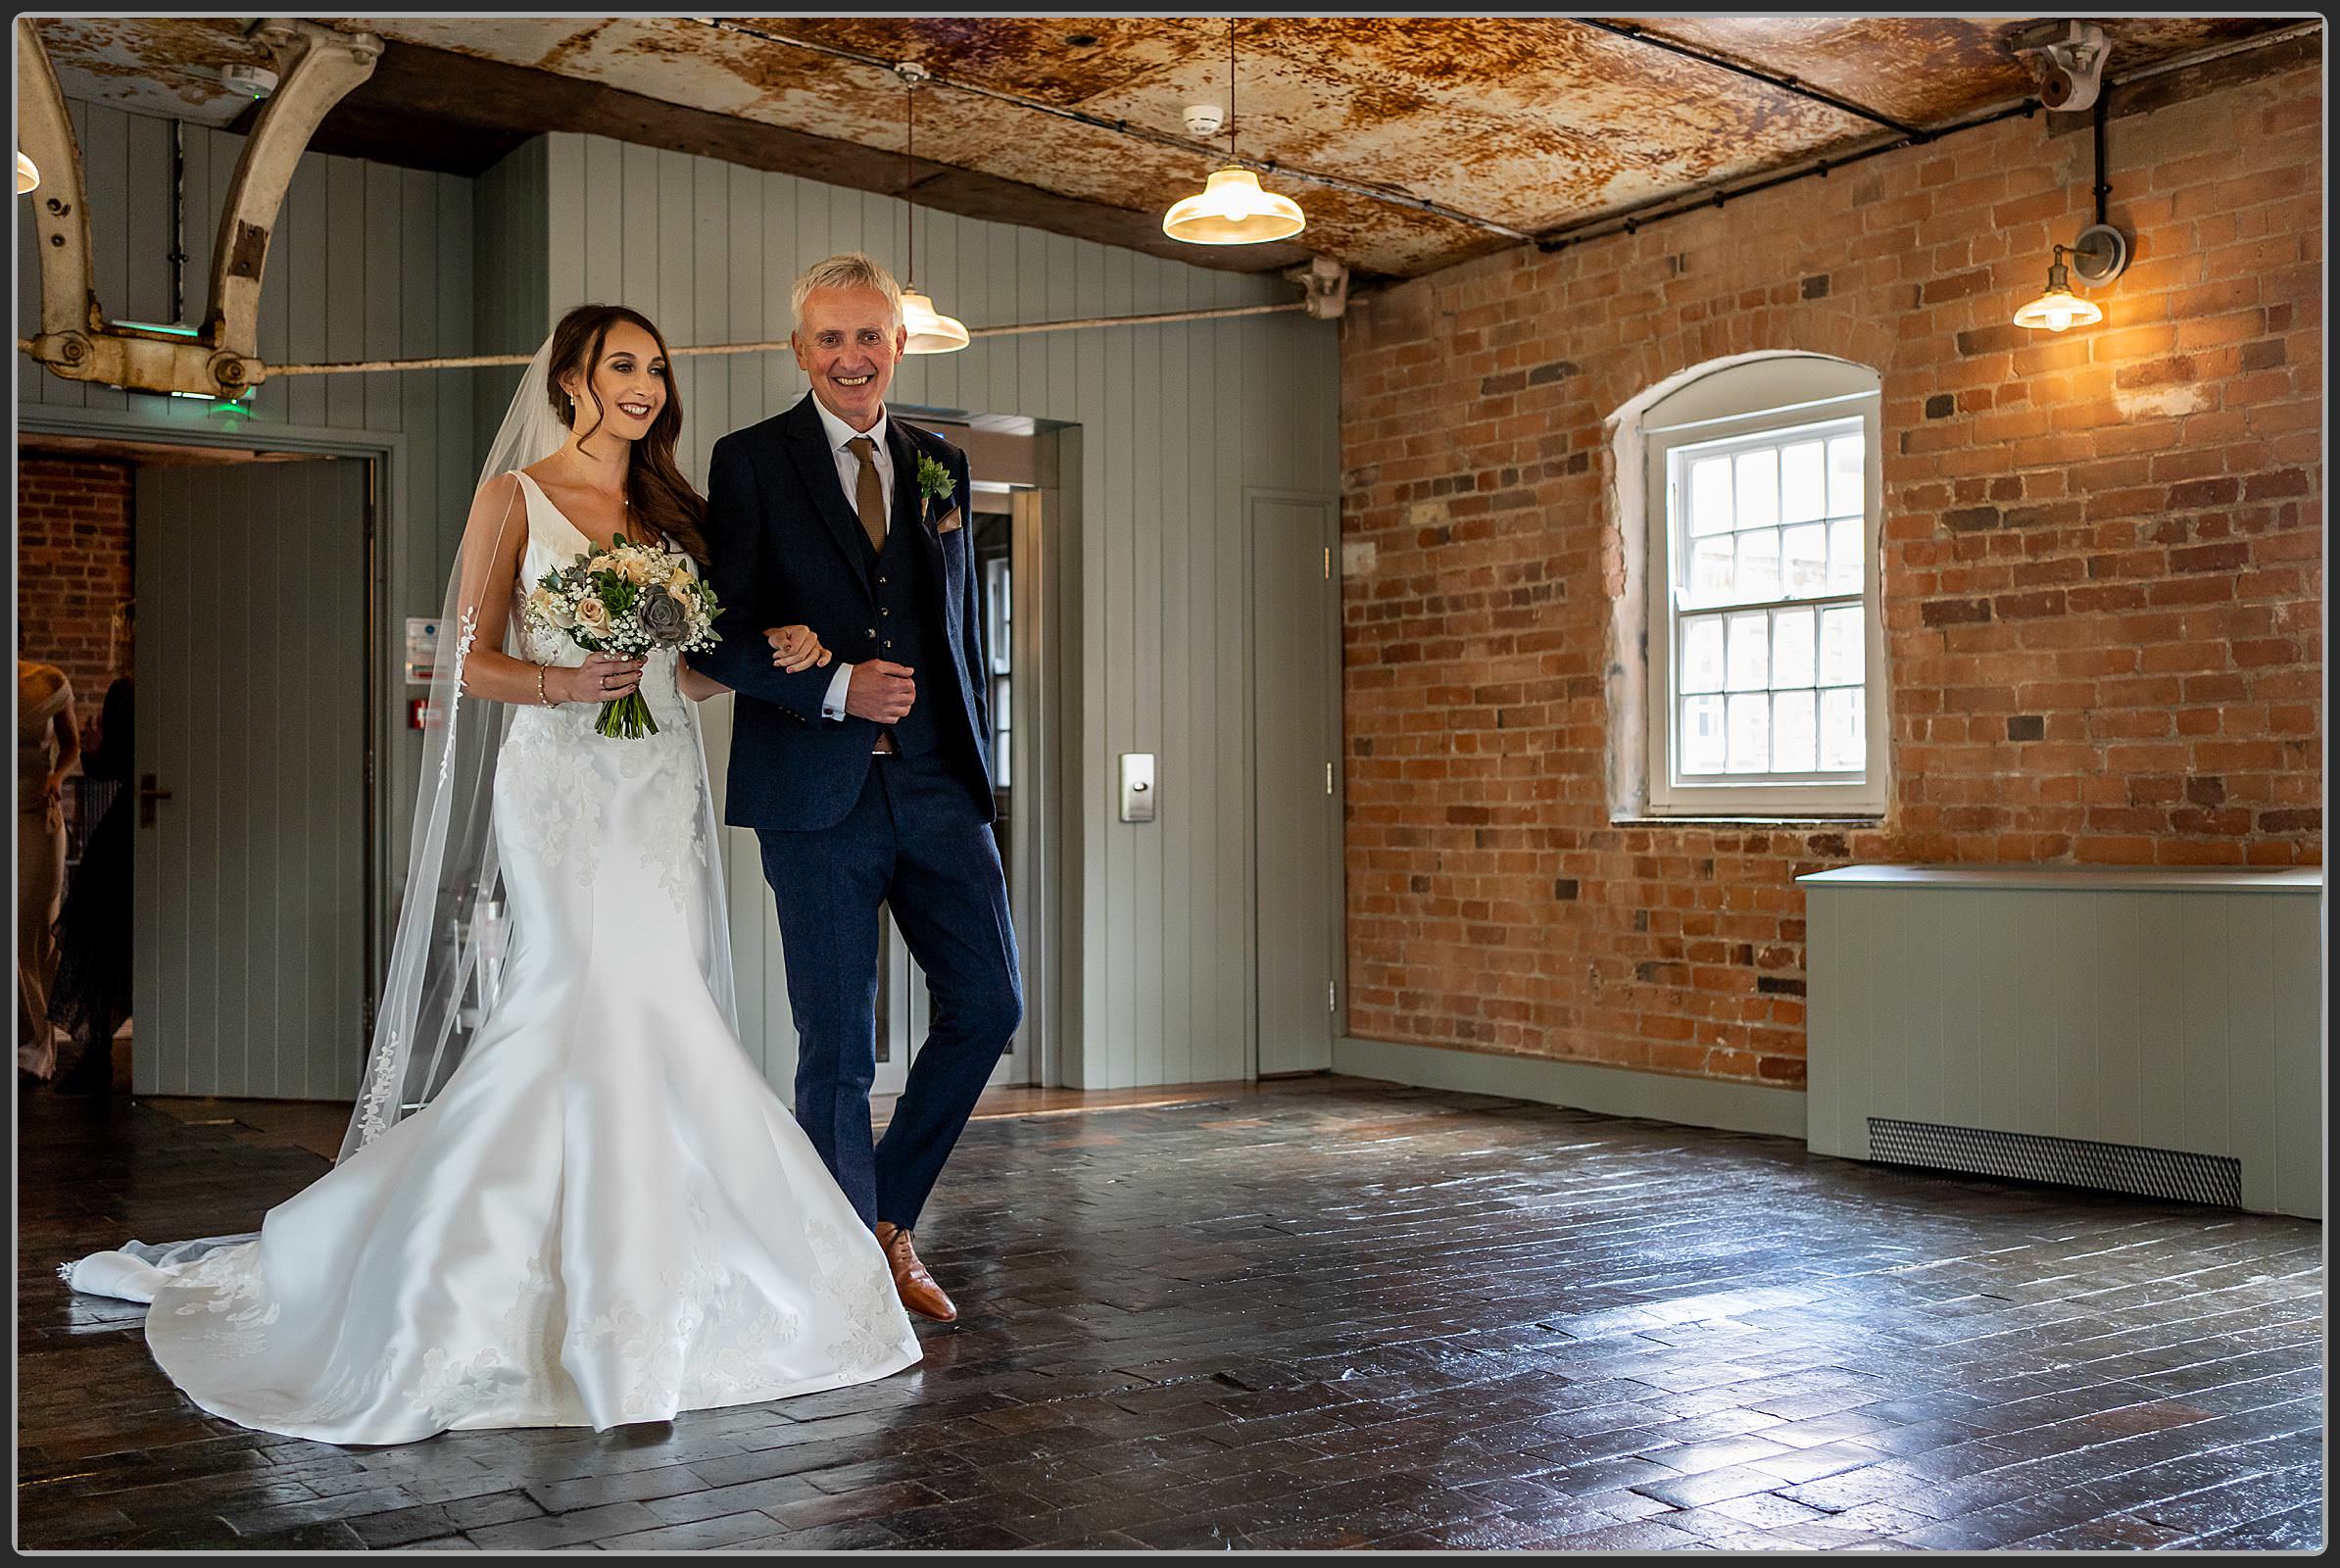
<point x="606" y="1215"/>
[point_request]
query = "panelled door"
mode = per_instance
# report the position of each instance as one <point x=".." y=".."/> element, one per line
<point x="249" y="971"/>
<point x="1295" y="696"/>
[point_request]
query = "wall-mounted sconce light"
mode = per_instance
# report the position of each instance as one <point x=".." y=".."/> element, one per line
<point x="27" y="175"/>
<point x="2099" y="254"/>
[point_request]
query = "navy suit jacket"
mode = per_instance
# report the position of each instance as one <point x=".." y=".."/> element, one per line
<point x="788" y="549"/>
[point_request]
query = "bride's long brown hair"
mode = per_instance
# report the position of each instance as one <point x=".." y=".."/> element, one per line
<point x="661" y="498"/>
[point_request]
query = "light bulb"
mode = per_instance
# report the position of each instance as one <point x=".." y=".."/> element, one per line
<point x="2058" y="310"/>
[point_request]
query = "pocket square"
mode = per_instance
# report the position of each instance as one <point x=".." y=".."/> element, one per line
<point x="950" y="520"/>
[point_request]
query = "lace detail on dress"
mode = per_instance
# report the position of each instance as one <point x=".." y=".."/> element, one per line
<point x="874" y="1324"/>
<point x="351" y="1388"/>
<point x="228" y="1285"/>
<point x="636" y="1339"/>
<point x="446" y="1389"/>
<point x="557" y="794"/>
<point x="672" y="846"/>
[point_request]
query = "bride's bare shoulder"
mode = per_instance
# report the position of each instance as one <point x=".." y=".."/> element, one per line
<point x="497" y="497"/>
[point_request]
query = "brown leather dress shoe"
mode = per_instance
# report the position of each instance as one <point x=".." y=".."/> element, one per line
<point x="917" y="1289"/>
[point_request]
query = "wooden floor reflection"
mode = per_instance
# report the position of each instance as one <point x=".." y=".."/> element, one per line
<point x="1316" y="1314"/>
<point x="318" y="1125"/>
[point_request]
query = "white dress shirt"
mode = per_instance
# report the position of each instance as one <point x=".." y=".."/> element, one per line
<point x="848" y="476"/>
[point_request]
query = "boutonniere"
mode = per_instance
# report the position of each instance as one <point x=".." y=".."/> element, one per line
<point x="934" y="480"/>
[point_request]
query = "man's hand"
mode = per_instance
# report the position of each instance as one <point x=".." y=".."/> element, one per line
<point x="879" y="691"/>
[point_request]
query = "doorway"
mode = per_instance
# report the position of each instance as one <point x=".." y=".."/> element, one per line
<point x="253" y="862"/>
<point x="1007" y="512"/>
<point x="247" y="797"/>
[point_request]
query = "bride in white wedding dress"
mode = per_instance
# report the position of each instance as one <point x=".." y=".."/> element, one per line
<point x="594" y="1211"/>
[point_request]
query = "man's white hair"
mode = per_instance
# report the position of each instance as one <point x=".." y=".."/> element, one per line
<point x="852" y="269"/>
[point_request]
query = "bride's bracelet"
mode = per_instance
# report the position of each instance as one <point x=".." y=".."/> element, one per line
<point x="541" y="697"/>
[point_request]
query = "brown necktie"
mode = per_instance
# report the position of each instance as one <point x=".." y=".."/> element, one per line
<point x="870" y="496"/>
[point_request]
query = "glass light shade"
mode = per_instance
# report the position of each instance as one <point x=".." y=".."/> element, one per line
<point x="27" y="175"/>
<point x="931" y="332"/>
<point x="2057" y="309"/>
<point x="1232" y="210"/>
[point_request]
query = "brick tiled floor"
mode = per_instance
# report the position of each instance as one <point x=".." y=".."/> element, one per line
<point x="1339" y="1314"/>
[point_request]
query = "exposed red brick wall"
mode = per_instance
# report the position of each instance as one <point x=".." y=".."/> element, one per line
<point x="73" y="569"/>
<point x="2101" y="570"/>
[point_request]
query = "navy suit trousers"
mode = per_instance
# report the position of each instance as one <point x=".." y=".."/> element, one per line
<point x="914" y="841"/>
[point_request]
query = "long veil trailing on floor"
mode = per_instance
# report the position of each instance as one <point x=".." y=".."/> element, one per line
<point x="452" y="925"/>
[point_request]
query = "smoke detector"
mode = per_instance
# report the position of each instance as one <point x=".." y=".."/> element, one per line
<point x="1206" y="121"/>
<point x="254" y="81"/>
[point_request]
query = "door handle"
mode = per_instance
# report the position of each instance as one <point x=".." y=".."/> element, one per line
<point x="147" y="796"/>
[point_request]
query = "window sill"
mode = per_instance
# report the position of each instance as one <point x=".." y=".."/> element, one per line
<point x="1875" y="819"/>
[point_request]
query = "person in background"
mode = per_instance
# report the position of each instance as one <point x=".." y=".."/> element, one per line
<point x="91" y="995"/>
<point x="48" y="749"/>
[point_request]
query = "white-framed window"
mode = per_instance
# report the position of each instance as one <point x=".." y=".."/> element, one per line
<point x="1767" y="691"/>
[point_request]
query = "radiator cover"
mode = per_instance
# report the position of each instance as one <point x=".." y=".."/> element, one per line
<point x="2145" y="1030"/>
<point x="2069" y="1161"/>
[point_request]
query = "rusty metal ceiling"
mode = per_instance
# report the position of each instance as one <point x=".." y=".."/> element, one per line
<point x="1528" y="124"/>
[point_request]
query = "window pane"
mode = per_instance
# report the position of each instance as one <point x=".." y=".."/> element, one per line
<point x="1803" y="559"/>
<point x="1841" y="661"/>
<point x="1712" y="576"/>
<point x="1792" y="735"/>
<point x="1843" y="745"/>
<point x="1758" y="488"/>
<point x="1750" y="660"/>
<point x="1846" y="474"/>
<point x="1758" y="575"/>
<point x="1844" y="556"/>
<point x="1750" y="733"/>
<point x="1710" y="496"/>
<point x="1803" y="483"/>
<point x="1702" y="735"/>
<point x="1792" y="649"/>
<point x="1702" y="654"/>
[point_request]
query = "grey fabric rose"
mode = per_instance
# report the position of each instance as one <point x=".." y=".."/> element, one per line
<point x="663" y="617"/>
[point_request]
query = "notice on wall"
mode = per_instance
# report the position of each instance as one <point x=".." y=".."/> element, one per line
<point x="422" y="642"/>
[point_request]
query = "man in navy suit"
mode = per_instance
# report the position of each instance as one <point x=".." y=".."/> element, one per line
<point x="869" y="782"/>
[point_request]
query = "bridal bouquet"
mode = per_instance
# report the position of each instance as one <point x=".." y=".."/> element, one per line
<point x="626" y="600"/>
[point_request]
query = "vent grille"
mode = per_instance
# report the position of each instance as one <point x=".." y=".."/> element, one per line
<point x="2069" y="1161"/>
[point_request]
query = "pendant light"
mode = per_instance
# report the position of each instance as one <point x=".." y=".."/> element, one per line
<point x="28" y="176"/>
<point x="930" y="331"/>
<point x="1230" y="209"/>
